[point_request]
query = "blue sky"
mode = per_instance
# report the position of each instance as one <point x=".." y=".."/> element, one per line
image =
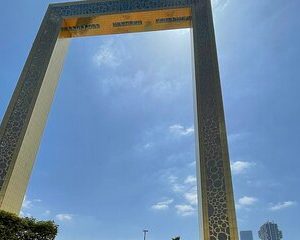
<point x="118" y="154"/>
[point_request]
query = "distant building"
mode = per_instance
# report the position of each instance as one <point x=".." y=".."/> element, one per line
<point x="269" y="231"/>
<point x="246" y="235"/>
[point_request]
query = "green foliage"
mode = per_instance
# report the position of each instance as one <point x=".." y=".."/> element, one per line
<point x="13" y="227"/>
<point x="176" y="238"/>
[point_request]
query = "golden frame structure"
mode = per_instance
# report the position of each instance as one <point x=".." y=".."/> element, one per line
<point x="25" y="118"/>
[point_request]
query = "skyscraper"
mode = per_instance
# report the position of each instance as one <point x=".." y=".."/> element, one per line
<point x="246" y="235"/>
<point x="269" y="231"/>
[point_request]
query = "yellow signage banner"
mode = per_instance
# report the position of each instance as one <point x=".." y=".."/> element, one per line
<point x="127" y="23"/>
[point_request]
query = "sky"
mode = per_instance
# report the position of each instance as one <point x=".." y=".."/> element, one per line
<point x="118" y="152"/>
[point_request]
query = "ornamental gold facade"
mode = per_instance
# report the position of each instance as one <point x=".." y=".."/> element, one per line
<point x="25" y="118"/>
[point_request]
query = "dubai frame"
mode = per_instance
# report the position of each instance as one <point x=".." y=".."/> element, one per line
<point x="25" y="118"/>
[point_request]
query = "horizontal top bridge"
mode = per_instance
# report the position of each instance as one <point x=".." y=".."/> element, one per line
<point x="100" y="7"/>
<point x="100" y="17"/>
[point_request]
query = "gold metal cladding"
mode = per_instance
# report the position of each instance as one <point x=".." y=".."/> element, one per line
<point x="127" y="23"/>
<point x="25" y="118"/>
<point x="20" y="175"/>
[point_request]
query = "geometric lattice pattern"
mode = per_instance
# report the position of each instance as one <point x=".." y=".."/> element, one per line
<point x="110" y="7"/>
<point x="215" y="181"/>
<point x="20" y="112"/>
<point x="26" y="92"/>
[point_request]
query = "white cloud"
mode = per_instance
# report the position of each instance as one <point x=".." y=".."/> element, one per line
<point x="190" y="180"/>
<point x="240" y="167"/>
<point x="176" y="187"/>
<point x="192" y="164"/>
<point x="172" y="179"/>
<point x="157" y="84"/>
<point x="148" y="146"/>
<point x="187" y="189"/>
<point x="185" y="210"/>
<point x="247" y="201"/>
<point x="282" y="205"/>
<point x="47" y="212"/>
<point x="107" y="55"/>
<point x="180" y="130"/>
<point x="191" y="196"/>
<point x="219" y="4"/>
<point x="117" y="83"/>
<point x="237" y="206"/>
<point x="27" y="204"/>
<point x="64" y="217"/>
<point x="238" y="137"/>
<point x="159" y="206"/>
<point x="23" y="214"/>
<point x="162" y="205"/>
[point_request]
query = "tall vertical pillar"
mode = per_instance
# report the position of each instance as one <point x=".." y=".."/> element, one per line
<point x="25" y="118"/>
<point x="216" y="200"/>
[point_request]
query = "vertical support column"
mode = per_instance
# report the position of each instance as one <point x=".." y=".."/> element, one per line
<point x="216" y="200"/>
<point x="25" y="118"/>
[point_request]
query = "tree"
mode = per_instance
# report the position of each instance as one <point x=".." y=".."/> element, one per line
<point x="13" y="227"/>
<point x="176" y="238"/>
